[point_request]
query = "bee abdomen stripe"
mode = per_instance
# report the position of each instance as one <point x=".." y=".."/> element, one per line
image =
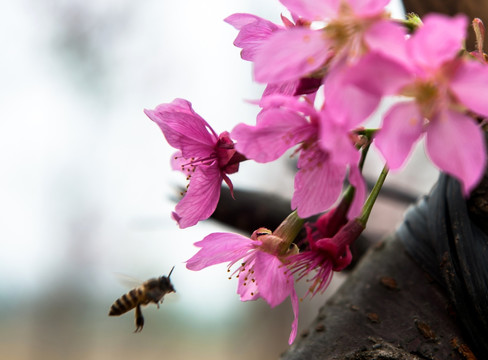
<point x="121" y="304"/>
<point x="117" y="308"/>
<point x="128" y="303"/>
<point x="134" y="295"/>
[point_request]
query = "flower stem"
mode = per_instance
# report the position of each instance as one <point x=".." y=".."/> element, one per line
<point x="368" y="205"/>
<point x="363" y="155"/>
<point x="348" y="197"/>
<point x="369" y="133"/>
<point x="289" y="229"/>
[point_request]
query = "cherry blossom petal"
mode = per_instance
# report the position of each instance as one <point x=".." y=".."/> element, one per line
<point x="239" y="20"/>
<point x="178" y="162"/>
<point x="275" y="132"/>
<point x="469" y="84"/>
<point x="388" y="38"/>
<point x="457" y="146"/>
<point x="247" y="288"/>
<point x="273" y="281"/>
<point x="439" y="39"/>
<point x="377" y="74"/>
<point x="312" y="9"/>
<point x="402" y="127"/>
<point x="363" y="85"/>
<point x="288" y="102"/>
<point x="294" y="325"/>
<point x="335" y="139"/>
<point x="318" y="183"/>
<point x="282" y="88"/>
<point x="290" y="54"/>
<point x="183" y="128"/>
<point x="367" y="7"/>
<point x="356" y="180"/>
<point x="253" y="31"/>
<point x="201" y="198"/>
<point x="353" y="105"/>
<point x="217" y="248"/>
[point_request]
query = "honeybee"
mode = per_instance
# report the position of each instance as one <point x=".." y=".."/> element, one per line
<point x="152" y="290"/>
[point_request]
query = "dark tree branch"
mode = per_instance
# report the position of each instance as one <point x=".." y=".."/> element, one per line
<point x="388" y="308"/>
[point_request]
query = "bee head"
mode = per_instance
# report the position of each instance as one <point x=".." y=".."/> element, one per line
<point x="165" y="283"/>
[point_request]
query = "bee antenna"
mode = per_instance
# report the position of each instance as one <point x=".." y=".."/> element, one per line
<point x="171" y="271"/>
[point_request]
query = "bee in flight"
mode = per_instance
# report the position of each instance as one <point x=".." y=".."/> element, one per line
<point x="152" y="290"/>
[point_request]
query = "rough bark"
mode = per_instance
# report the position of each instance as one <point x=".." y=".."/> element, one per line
<point x="388" y="308"/>
<point x="478" y="200"/>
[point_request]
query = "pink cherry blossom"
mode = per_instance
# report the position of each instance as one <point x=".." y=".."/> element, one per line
<point x="329" y="241"/>
<point x="205" y="157"/>
<point x="444" y="88"/>
<point x="253" y="30"/>
<point x="261" y="271"/>
<point x="322" y="10"/>
<point x="352" y="29"/>
<point x="286" y="122"/>
<point x="291" y="54"/>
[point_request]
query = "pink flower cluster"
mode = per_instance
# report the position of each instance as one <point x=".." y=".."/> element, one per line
<point x="262" y="272"/>
<point x="267" y="263"/>
<point x="351" y="54"/>
<point x="205" y="157"/>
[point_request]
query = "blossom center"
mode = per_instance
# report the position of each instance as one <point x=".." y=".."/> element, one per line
<point x="228" y="158"/>
<point x="346" y="31"/>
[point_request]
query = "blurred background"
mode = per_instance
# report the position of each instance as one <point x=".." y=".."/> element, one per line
<point x="86" y="189"/>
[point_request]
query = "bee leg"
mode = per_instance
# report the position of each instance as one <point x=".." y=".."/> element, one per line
<point x="154" y="300"/>
<point x="139" y="319"/>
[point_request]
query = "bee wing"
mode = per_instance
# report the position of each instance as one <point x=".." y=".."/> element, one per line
<point x="128" y="281"/>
